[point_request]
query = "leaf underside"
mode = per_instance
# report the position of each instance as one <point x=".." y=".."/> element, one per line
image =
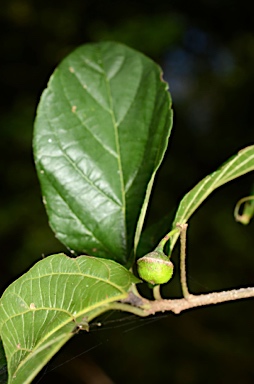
<point x="40" y="311"/>
<point x="101" y="132"/>
<point x="236" y="166"/>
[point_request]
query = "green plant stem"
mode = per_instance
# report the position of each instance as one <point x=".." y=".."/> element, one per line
<point x="127" y="308"/>
<point x="185" y="290"/>
<point x="151" y="307"/>
<point x="162" y="243"/>
<point x="134" y="289"/>
<point x="157" y="293"/>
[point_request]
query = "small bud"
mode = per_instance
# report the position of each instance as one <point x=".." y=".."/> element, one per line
<point x="155" y="268"/>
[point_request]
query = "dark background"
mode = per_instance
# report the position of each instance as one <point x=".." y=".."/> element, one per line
<point x="206" y="49"/>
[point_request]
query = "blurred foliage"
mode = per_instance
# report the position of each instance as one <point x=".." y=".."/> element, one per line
<point x="207" y="51"/>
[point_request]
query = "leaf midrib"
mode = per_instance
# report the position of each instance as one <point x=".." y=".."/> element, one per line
<point x="119" y="159"/>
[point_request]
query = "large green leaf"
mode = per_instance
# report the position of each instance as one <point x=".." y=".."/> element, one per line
<point x="101" y="131"/>
<point x="236" y="166"/>
<point x="43" y="309"/>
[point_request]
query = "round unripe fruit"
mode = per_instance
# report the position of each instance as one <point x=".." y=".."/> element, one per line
<point x="155" y="268"/>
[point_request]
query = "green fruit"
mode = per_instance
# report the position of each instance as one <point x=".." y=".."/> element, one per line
<point x="155" y="268"/>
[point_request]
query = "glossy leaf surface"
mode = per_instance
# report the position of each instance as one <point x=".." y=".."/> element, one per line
<point x="45" y="307"/>
<point x="101" y="131"/>
<point x="236" y="166"/>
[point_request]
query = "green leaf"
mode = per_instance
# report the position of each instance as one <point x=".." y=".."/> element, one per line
<point x="236" y="166"/>
<point x="43" y="309"/>
<point x="101" y="132"/>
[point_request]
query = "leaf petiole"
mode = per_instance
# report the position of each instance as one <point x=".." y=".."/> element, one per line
<point x="165" y="239"/>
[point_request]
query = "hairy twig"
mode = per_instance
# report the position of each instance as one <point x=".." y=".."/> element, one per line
<point x="178" y="305"/>
<point x="149" y="307"/>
